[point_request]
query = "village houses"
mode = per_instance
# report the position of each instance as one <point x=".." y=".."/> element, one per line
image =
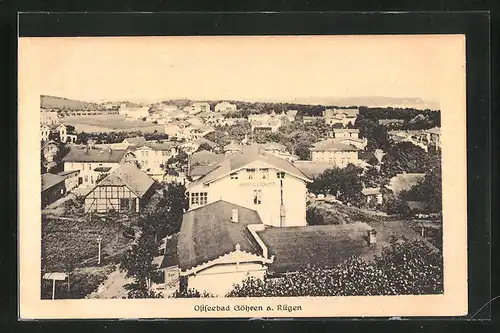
<point x="49" y="117"/>
<point x="334" y="152"/>
<point x="93" y="162"/>
<point x="335" y="116"/>
<point x="198" y="107"/>
<point x="64" y="134"/>
<point x="266" y="122"/>
<point x="152" y="157"/>
<point x="125" y="189"/>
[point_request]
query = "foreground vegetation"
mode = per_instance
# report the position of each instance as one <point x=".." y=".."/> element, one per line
<point x="406" y="267"/>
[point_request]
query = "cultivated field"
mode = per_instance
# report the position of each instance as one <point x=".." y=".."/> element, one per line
<point x="109" y="123"/>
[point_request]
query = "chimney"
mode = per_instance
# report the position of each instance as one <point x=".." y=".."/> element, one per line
<point x="372" y="237"/>
<point x="234" y="215"/>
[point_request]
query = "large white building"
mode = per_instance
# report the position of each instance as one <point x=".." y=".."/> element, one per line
<point x="335" y="116"/>
<point x="256" y="179"/>
<point x="153" y="156"/>
<point x="336" y="153"/>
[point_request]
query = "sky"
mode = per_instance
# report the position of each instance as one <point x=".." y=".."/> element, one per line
<point x="240" y="68"/>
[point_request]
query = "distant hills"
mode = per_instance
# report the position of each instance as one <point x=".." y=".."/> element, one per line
<point x="52" y="102"/>
<point x="373" y="101"/>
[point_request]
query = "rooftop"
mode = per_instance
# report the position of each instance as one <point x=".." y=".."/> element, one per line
<point x="240" y="159"/>
<point x="171" y="258"/>
<point x="404" y="181"/>
<point x="129" y="175"/>
<point x="94" y="155"/>
<point x="50" y="180"/>
<point x="208" y="233"/>
<point x="332" y="145"/>
<point x="325" y="245"/>
<point x="312" y="169"/>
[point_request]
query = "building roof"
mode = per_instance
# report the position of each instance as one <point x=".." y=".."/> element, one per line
<point x="66" y="173"/>
<point x="94" y="155"/>
<point x="208" y="233"/>
<point x="171" y="258"/>
<point x="390" y="121"/>
<point x="404" y="181"/>
<point x="368" y="157"/>
<point x="273" y="146"/>
<point x="333" y="145"/>
<point x="249" y="154"/>
<point x="138" y="140"/>
<point x="345" y="130"/>
<point x="159" y="145"/>
<point x="201" y="141"/>
<point x="129" y="175"/>
<point x="324" y="245"/>
<point x="434" y="130"/>
<point x="50" y="180"/>
<point x="312" y="169"/>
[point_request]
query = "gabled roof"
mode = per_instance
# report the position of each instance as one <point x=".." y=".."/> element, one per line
<point x="207" y="233"/>
<point x="47" y="143"/>
<point x="312" y="169"/>
<point x="434" y="130"/>
<point x="160" y="146"/>
<point x="138" y="140"/>
<point x="249" y="154"/>
<point x="201" y="141"/>
<point x="345" y="130"/>
<point x="333" y="145"/>
<point x="50" y="180"/>
<point x="94" y="155"/>
<point x="130" y="176"/>
<point x="324" y="245"/>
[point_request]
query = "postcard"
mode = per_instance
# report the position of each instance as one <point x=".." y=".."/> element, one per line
<point x="242" y="176"/>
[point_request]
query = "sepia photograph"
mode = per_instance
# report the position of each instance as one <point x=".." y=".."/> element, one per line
<point x="243" y="176"/>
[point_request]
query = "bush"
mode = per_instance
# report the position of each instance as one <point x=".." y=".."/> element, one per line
<point x="406" y="267"/>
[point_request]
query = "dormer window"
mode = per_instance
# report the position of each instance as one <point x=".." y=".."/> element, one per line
<point x="251" y="173"/>
<point x="280" y="175"/>
<point x="234" y="175"/>
<point x="265" y="173"/>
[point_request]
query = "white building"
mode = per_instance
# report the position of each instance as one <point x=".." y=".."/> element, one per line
<point x="92" y="163"/>
<point x="225" y="107"/>
<point x="198" y="107"/>
<point x="152" y="157"/>
<point x="252" y="178"/>
<point x="336" y="116"/>
<point x="61" y="129"/>
<point x="49" y="117"/>
<point x="335" y="153"/>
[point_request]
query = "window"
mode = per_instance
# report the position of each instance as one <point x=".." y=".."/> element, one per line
<point x="86" y="179"/>
<point x="280" y="175"/>
<point x="265" y="173"/>
<point x="257" y="197"/>
<point x="199" y="198"/>
<point x="251" y="173"/>
<point x="124" y="203"/>
<point x="234" y="175"/>
<point x="83" y="166"/>
<point x="90" y="166"/>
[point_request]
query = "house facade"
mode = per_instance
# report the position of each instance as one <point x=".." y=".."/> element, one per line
<point x="153" y="156"/>
<point x="92" y="163"/>
<point x="126" y="189"/>
<point x="252" y="178"/>
<point x="53" y="188"/>
<point x="335" y="153"/>
<point x="49" y="117"/>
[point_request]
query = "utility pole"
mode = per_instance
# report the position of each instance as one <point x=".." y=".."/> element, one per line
<point x="53" y="288"/>
<point x="99" y="240"/>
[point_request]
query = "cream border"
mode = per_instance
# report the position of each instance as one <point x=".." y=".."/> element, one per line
<point x="452" y="302"/>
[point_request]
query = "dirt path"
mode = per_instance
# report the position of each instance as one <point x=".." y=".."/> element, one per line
<point x="113" y="286"/>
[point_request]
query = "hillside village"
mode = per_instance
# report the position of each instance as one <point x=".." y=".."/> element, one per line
<point x="222" y="192"/>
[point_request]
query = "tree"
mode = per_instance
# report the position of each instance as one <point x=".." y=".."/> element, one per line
<point x="346" y="182"/>
<point x="62" y="150"/>
<point x="204" y="146"/>
<point x="162" y="216"/>
<point x="375" y="134"/>
<point x="177" y="162"/>
<point x="405" y="267"/>
<point x="429" y="190"/>
<point x="406" y="157"/>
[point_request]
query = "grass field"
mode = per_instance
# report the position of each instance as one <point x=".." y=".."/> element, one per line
<point x="109" y="123"/>
<point x="70" y="244"/>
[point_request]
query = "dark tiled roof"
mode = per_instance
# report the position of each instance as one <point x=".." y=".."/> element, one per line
<point x="128" y="175"/>
<point x="324" y="245"/>
<point x="94" y="155"/>
<point x="171" y="258"/>
<point x="368" y="156"/>
<point x="199" y="161"/>
<point x="208" y="233"/>
<point x="312" y="169"/>
<point x="66" y="173"/>
<point x="50" y="180"/>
